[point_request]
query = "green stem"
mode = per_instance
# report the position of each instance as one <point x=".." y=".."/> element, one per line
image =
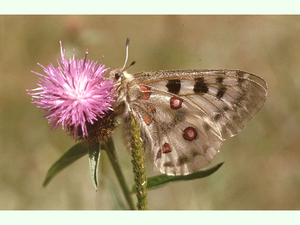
<point x="139" y="169"/>
<point x="110" y="150"/>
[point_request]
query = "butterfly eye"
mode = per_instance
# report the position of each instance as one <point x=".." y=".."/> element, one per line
<point x="118" y="75"/>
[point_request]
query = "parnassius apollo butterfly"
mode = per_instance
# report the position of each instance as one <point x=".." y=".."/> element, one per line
<point x="185" y="115"/>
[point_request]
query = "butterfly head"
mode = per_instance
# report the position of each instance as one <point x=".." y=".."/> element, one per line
<point x="119" y="74"/>
<point x="116" y="74"/>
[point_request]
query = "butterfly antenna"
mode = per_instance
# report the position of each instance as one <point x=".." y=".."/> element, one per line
<point x="126" y="58"/>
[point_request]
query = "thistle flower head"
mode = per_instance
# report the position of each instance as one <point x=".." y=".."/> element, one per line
<point x="74" y="93"/>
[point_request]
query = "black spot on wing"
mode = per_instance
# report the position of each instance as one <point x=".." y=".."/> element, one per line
<point x="225" y="108"/>
<point x="168" y="164"/>
<point x="217" y="117"/>
<point x="174" y="86"/>
<point x="206" y="127"/>
<point x="195" y="153"/>
<point x="200" y="86"/>
<point x="240" y="81"/>
<point x="183" y="160"/>
<point x="219" y="80"/>
<point x="221" y="91"/>
<point x="240" y="76"/>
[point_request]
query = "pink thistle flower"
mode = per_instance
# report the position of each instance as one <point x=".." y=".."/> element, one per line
<point x="73" y="93"/>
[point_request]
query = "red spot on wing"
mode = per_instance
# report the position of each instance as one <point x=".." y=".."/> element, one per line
<point x="147" y="119"/>
<point x="145" y="94"/>
<point x="175" y="103"/>
<point x="189" y="133"/>
<point x="166" y="148"/>
<point x="158" y="155"/>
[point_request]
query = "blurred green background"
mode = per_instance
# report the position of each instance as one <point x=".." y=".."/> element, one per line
<point x="262" y="163"/>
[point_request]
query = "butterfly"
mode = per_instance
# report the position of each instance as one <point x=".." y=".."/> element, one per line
<point x="185" y="115"/>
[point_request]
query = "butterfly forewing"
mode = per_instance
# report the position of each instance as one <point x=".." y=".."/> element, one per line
<point x="184" y="115"/>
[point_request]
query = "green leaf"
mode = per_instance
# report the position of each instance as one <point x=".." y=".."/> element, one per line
<point x="157" y="181"/>
<point x="94" y="156"/>
<point x="69" y="157"/>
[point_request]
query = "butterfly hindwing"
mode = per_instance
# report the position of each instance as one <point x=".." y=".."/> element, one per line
<point x="184" y="115"/>
<point x="181" y="140"/>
